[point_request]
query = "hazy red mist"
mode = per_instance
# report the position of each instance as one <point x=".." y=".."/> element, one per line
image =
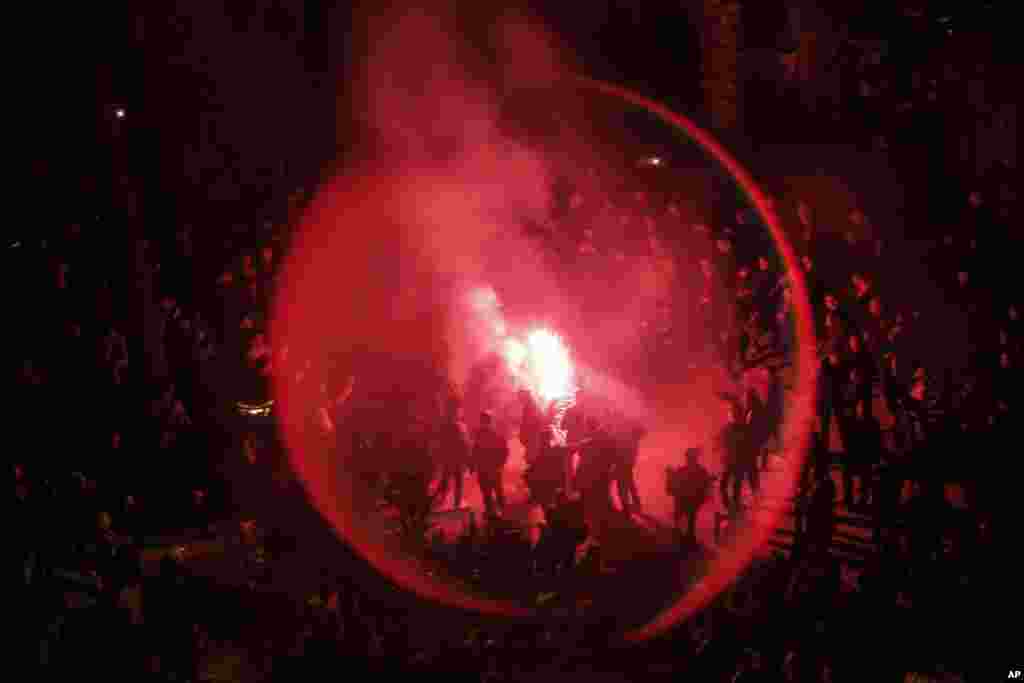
<point x="389" y="247"/>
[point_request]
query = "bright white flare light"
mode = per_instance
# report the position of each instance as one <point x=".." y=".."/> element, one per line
<point x="541" y="363"/>
<point x="549" y="366"/>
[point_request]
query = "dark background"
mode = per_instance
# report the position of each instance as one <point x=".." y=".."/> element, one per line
<point x="231" y="101"/>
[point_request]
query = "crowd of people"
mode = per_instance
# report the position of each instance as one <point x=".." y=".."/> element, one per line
<point x="88" y="505"/>
<point x="130" y="366"/>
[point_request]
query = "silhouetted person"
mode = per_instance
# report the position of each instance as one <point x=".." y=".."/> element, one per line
<point x="760" y="428"/>
<point x="412" y="473"/>
<point x="566" y="529"/>
<point x="860" y="460"/>
<point x="815" y="286"/>
<point x="531" y="425"/>
<point x="490" y="453"/>
<point x="594" y="477"/>
<point x="689" y="486"/>
<point x="893" y="389"/>
<point x="818" y="463"/>
<point x="546" y="473"/>
<point x="917" y="408"/>
<point x="875" y="327"/>
<point x="830" y="396"/>
<point x="764" y="281"/>
<point x="835" y="324"/>
<point x="575" y="426"/>
<point x="625" y="468"/>
<point x="858" y="357"/>
<point x="853" y="423"/>
<point x="739" y="464"/>
<point x="454" y="451"/>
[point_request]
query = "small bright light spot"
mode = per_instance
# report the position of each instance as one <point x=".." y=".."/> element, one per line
<point x="119" y="113"/>
<point x="655" y="161"/>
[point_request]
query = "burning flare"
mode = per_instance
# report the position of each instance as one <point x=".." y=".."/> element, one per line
<point x="542" y="365"/>
<point x="549" y="366"/>
<point x="540" y="362"/>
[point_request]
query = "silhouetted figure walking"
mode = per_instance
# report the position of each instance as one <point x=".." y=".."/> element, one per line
<point x="690" y="487"/>
<point x="453" y="454"/>
<point x="594" y="478"/>
<point x="490" y="453"/>
<point x="625" y="468"/>
<point x="739" y="463"/>
<point x="531" y="426"/>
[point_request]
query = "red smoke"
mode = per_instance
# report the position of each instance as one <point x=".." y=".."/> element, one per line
<point x="391" y="249"/>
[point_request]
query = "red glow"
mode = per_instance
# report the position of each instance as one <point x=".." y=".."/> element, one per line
<point x="339" y="288"/>
<point x="730" y="564"/>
